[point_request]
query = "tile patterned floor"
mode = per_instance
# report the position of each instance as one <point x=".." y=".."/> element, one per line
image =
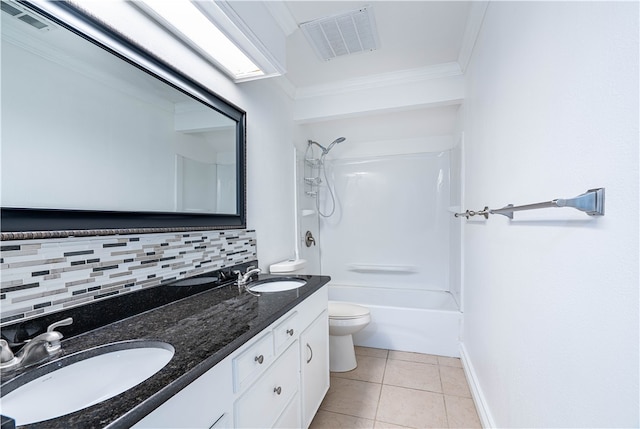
<point x="391" y="389"/>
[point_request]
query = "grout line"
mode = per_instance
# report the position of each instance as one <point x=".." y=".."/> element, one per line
<point x="446" y="414"/>
<point x="375" y="416"/>
<point x="347" y="415"/>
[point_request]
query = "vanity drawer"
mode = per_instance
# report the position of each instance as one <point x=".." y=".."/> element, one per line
<point x="285" y="332"/>
<point x="266" y="400"/>
<point x="252" y="362"/>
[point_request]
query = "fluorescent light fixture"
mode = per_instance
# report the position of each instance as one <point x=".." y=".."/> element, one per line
<point x="187" y="21"/>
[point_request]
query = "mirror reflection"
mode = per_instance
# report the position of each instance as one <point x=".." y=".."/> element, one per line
<point x="83" y="129"/>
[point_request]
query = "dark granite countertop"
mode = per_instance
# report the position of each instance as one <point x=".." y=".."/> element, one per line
<point x="204" y="329"/>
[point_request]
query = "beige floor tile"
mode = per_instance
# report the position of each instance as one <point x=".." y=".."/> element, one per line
<point x="352" y="397"/>
<point x="414" y="375"/>
<point x="461" y="412"/>
<point x="385" y="425"/>
<point x="369" y="369"/>
<point x="413" y="357"/>
<point x="449" y="361"/>
<point x="328" y="420"/>
<point x="412" y="408"/>
<point x="454" y="381"/>
<point x="370" y="351"/>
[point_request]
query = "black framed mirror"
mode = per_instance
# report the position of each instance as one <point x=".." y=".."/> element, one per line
<point x="95" y="143"/>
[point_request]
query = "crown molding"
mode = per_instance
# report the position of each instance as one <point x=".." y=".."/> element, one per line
<point x="286" y="86"/>
<point x="471" y="31"/>
<point x="380" y="80"/>
<point x="283" y="16"/>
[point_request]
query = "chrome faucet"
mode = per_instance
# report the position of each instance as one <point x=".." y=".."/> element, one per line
<point x="36" y="350"/>
<point x="244" y="279"/>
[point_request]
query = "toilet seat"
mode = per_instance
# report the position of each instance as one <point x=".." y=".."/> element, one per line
<point x="346" y="311"/>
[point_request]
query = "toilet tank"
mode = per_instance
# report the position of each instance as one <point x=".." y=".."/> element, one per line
<point x="290" y="266"/>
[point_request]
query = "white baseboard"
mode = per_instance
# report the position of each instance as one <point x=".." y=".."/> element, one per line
<point x="476" y="392"/>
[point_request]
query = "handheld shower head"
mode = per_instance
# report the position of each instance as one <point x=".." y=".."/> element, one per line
<point x="325" y="150"/>
<point x="333" y="143"/>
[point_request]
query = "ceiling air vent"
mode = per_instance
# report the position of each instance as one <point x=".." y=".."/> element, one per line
<point x="347" y="33"/>
<point x="19" y="13"/>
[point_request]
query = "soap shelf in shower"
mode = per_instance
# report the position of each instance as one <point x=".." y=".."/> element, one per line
<point x="307" y="212"/>
<point x="313" y="162"/>
<point x="313" y="180"/>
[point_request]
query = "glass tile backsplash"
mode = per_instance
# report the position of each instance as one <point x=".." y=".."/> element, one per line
<point x="44" y="276"/>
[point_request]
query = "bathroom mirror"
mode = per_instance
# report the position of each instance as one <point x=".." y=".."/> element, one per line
<point x="93" y="141"/>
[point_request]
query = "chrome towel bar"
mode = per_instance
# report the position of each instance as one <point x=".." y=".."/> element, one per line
<point x="591" y="202"/>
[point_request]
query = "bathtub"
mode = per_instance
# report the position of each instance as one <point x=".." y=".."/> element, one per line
<point x="405" y="320"/>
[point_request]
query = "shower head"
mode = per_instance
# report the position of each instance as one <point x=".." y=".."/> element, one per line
<point x="325" y="150"/>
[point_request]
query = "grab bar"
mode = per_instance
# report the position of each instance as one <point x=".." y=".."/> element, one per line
<point x="591" y="202"/>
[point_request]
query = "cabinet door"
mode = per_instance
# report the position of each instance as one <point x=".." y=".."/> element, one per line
<point x="290" y="417"/>
<point x="205" y="403"/>
<point x="314" y="347"/>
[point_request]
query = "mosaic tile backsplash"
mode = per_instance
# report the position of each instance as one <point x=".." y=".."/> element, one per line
<point x="44" y="276"/>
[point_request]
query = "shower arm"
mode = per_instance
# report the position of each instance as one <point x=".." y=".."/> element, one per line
<point x="324" y="149"/>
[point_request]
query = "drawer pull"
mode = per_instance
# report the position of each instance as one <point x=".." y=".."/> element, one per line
<point x="310" y="350"/>
<point x="277" y="390"/>
<point x="259" y="359"/>
<point x="290" y="332"/>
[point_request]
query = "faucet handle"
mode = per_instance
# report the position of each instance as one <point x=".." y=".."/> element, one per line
<point x="63" y="322"/>
<point x="54" y="343"/>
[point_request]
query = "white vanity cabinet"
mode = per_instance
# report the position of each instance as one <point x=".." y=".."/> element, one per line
<point x="278" y="379"/>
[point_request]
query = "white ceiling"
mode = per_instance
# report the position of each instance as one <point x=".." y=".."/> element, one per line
<point x="412" y="34"/>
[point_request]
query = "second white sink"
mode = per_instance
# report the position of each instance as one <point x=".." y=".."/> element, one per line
<point x="277" y="285"/>
<point x="84" y="379"/>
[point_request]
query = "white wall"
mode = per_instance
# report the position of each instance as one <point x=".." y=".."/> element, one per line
<point x="270" y="170"/>
<point x="551" y="300"/>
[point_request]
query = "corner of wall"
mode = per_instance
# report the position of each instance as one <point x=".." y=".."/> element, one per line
<point x="482" y="407"/>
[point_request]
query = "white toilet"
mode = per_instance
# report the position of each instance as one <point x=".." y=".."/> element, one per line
<point x="345" y="319"/>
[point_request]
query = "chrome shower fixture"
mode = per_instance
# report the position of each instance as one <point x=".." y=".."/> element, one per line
<point x="325" y="150"/>
<point x="315" y="182"/>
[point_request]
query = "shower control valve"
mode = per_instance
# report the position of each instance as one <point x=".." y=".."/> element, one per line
<point x="309" y="240"/>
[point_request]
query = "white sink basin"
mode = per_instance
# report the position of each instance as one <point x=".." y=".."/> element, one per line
<point x="277" y="285"/>
<point x="83" y="379"/>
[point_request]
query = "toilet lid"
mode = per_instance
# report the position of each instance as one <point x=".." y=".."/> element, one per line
<point x="345" y="310"/>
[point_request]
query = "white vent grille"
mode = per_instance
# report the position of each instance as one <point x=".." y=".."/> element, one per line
<point x="347" y="33"/>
